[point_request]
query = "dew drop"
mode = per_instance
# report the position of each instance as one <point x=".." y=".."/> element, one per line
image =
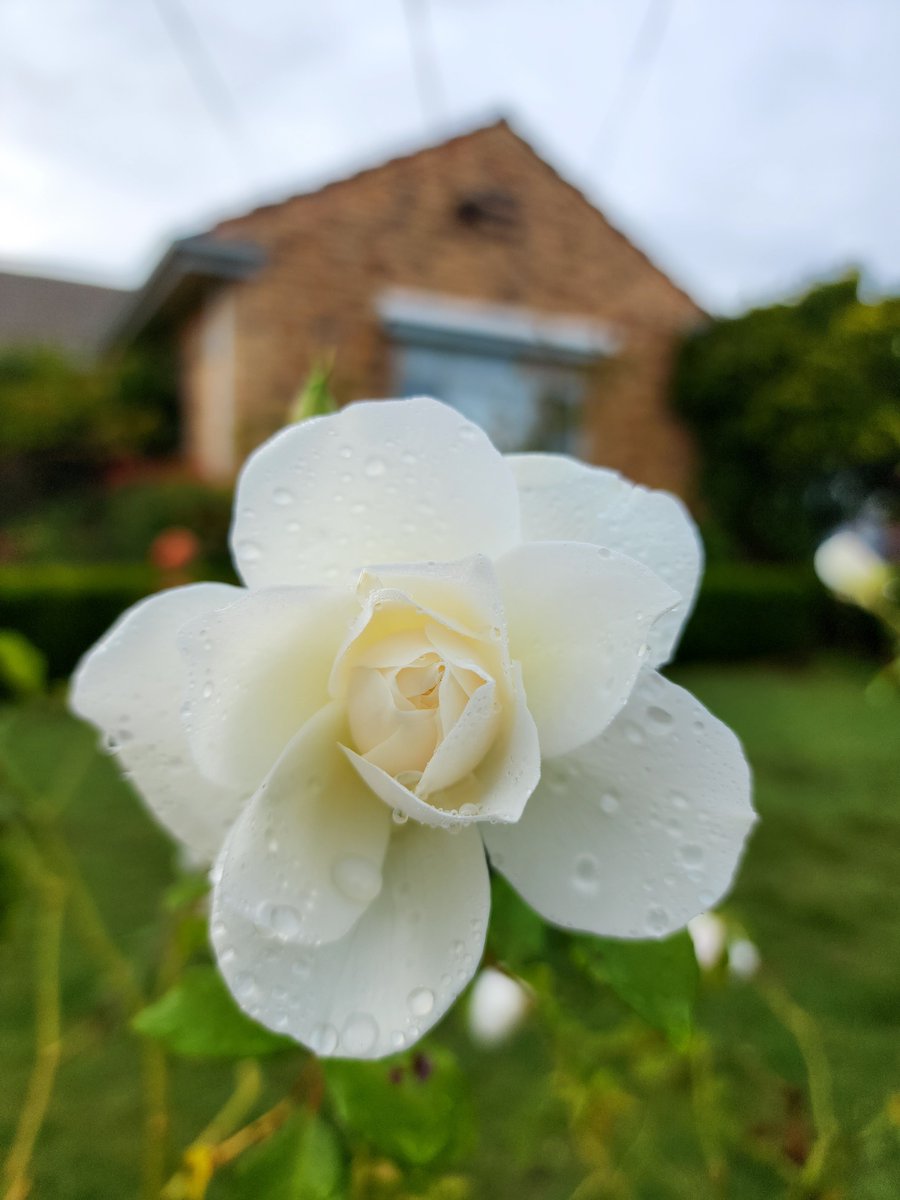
<point x="691" y="854"/>
<point x="420" y="1001"/>
<point x="283" y="496"/>
<point x="659" y="719"/>
<point x="469" y="810"/>
<point x="634" y="733"/>
<point x="346" y="452"/>
<point x="359" y="1034"/>
<point x="324" y="1039"/>
<point x="358" y="878"/>
<point x="657" y="919"/>
<point x="587" y="873"/>
<point x="245" y="987"/>
<point x="399" y="816"/>
<point x="375" y="466"/>
<point x="249" y="552"/>
<point x="679" y="800"/>
<point x="207" y="691"/>
<point x="609" y="803"/>
<point x="285" y="921"/>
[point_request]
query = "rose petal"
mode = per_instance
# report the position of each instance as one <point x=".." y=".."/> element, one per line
<point x="579" y="618"/>
<point x="464" y="595"/>
<point x="381" y="481"/>
<point x="388" y="980"/>
<point x="640" y="830"/>
<point x="565" y="500"/>
<point x="496" y="790"/>
<point x="304" y="858"/>
<point x="131" y="686"/>
<point x="257" y="671"/>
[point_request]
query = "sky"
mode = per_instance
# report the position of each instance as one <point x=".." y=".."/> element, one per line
<point x="749" y="146"/>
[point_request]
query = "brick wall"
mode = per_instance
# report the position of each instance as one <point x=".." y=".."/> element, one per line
<point x="332" y="252"/>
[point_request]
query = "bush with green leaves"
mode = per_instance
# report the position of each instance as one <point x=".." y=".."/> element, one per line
<point x="796" y="410"/>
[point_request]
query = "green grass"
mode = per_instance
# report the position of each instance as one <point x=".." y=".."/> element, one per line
<point x="817" y="893"/>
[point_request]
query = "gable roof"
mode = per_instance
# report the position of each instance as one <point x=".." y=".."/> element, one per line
<point x="162" y="299"/>
<point x="36" y="310"/>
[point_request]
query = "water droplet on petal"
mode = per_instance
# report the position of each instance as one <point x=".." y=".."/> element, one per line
<point x="324" y="1039"/>
<point x="609" y="803"/>
<point x="358" y="878"/>
<point x="285" y="921"/>
<point x="587" y="873"/>
<point x="359" y="1034"/>
<point x="245" y="986"/>
<point x="420" y="1001"/>
<point x="634" y="733"/>
<point x="282" y="496"/>
<point x="399" y="816"/>
<point x="691" y="854"/>
<point x="249" y="552"/>
<point x="375" y="466"/>
<point x="657" y="919"/>
<point x="659" y="719"/>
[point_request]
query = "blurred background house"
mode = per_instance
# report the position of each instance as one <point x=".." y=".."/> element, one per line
<point x="470" y="271"/>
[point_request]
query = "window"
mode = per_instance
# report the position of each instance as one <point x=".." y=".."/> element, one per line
<point x="517" y="375"/>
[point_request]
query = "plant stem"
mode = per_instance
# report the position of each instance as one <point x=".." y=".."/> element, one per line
<point x="805" y="1033"/>
<point x="247" y="1086"/>
<point x="121" y="977"/>
<point x="51" y="896"/>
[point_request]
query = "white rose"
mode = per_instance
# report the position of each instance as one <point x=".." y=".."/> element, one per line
<point x="431" y="637"/>
<point x="849" y="566"/>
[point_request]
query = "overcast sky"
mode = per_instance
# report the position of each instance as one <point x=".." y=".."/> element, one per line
<point x="748" y="145"/>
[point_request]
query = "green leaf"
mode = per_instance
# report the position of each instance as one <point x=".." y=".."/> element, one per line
<point x="413" y="1109"/>
<point x="302" y="1161"/>
<point x="517" y="935"/>
<point x="23" y="668"/>
<point x="185" y="891"/>
<point x="315" y="398"/>
<point x="199" y="1019"/>
<point x="657" y="979"/>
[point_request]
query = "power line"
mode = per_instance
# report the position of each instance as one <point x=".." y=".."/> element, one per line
<point x="202" y="70"/>
<point x="424" y="62"/>
<point x="635" y="75"/>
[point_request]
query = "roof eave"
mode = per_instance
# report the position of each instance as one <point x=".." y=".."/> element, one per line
<point x="189" y="270"/>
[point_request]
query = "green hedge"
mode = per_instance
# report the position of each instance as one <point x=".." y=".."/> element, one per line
<point x="743" y="612"/>
<point x="747" y="611"/>
<point x="64" y="609"/>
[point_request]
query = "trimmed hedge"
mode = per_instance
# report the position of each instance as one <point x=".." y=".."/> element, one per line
<point x="743" y="612"/>
<point x="748" y="610"/>
<point x="64" y="609"/>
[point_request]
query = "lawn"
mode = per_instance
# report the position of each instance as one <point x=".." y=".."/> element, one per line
<point x="817" y="894"/>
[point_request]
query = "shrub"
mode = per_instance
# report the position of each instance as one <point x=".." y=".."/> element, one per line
<point x="747" y="610"/>
<point x="63" y="610"/>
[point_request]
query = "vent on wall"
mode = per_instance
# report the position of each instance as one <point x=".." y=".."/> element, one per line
<point x="493" y="211"/>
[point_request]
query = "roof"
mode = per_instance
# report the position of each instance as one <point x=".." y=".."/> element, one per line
<point x="36" y="310"/>
<point x="194" y="265"/>
<point x="190" y="268"/>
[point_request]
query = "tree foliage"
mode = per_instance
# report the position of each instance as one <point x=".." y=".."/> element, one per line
<point x="796" y="408"/>
<point x="54" y="405"/>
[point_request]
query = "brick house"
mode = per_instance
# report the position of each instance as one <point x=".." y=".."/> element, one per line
<point x="469" y="270"/>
